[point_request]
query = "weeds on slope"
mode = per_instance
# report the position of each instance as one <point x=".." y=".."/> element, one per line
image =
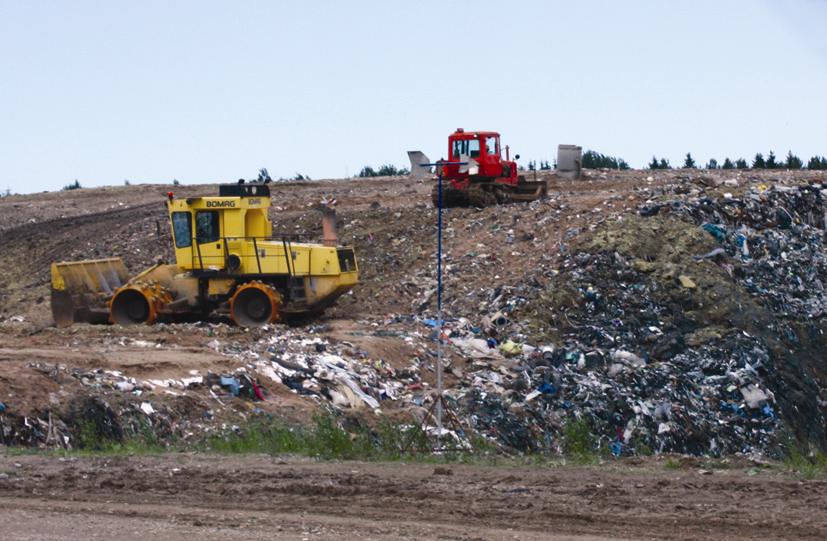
<point x="808" y="464"/>
<point x="330" y="437"/>
<point x="327" y="439"/>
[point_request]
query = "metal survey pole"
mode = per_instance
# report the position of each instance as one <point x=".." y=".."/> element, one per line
<point x="439" y="404"/>
<point x="439" y="321"/>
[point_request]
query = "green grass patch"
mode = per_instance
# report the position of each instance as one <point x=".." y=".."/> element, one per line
<point x="579" y="444"/>
<point x="809" y="464"/>
<point x="327" y="438"/>
<point x="672" y="464"/>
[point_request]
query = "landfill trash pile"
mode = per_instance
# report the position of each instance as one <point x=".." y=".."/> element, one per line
<point x="683" y="343"/>
<point x="624" y="364"/>
<point x="773" y="239"/>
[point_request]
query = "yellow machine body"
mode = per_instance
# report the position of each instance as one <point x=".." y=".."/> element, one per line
<point x="225" y="255"/>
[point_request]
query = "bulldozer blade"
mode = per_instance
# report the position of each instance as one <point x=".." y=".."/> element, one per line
<point x="81" y="289"/>
<point x="530" y="191"/>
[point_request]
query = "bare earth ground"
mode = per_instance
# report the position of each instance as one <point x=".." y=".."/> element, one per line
<point x="258" y="497"/>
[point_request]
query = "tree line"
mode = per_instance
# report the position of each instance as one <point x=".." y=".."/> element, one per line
<point x="816" y="163"/>
<point x="386" y="170"/>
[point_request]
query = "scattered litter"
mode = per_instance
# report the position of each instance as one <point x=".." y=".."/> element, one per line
<point x="147" y="408"/>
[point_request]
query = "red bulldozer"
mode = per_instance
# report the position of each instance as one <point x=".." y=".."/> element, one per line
<point x="475" y="173"/>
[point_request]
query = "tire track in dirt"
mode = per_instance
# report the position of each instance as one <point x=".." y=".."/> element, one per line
<point x="612" y="501"/>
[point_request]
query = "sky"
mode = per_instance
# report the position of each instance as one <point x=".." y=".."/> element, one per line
<point x="204" y="91"/>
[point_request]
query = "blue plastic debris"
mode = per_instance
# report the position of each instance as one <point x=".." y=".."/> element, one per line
<point x="734" y="408"/>
<point x="231" y="383"/>
<point x="616" y="448"/>
<point x="590" y="293"/>
<point x="2" y="407"/>
<point x="715" y="230"/>
<point x="547" y="388"/>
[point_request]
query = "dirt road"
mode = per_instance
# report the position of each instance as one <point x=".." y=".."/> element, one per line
<point x="258" y="497"/>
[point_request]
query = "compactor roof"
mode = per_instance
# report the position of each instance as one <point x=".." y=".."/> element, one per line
<point x="252" y="189"/>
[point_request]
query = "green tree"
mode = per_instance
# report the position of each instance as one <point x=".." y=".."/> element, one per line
<point x="728" y="164"/>
<point x="688" y="162"/>
<point x="263" y="175"/>
<point x="772" y="163"/>
<point x="664" y="164"/>
<point x="73" y="186"/>
<point x="712" y="164"/>
<point x="654" y="163"/>
<point x="758" y="162"/>
<point x="793" y="161"/>
<point x="817" y="163"/>
<point x="741" y="163"/>
<point x="388" y="170"/>
<point x="594" y="160"/>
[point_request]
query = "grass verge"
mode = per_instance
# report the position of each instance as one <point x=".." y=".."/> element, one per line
<point x="809" y="464"/>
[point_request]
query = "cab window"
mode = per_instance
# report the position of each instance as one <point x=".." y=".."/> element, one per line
<point x="206" y="226"/>
<point x="182" y="229"/>
<point x="466" y="147"/>
<point x="492" y="146"/>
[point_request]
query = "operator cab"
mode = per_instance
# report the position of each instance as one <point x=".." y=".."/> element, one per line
<point x="206" y="229"/>
<point x="483" y="147"/>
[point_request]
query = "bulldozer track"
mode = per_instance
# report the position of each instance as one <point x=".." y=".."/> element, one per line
<point x="486" y="195"/>
<point x="479" y="196"/>
<point x="451" y="197"/>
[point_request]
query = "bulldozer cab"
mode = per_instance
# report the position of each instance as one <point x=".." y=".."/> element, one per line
<point x="206" y="231"/>
<point x="482" y="147"/>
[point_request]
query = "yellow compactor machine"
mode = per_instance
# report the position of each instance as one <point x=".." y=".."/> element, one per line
<point x="226" y="255"/>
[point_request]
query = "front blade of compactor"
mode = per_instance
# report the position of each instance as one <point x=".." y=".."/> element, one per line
<point x="82" y="289"/>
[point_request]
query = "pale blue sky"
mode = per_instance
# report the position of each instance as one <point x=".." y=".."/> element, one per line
<point x="206" y="90"/>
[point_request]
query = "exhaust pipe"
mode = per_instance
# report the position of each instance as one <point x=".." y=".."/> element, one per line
<point x="329" y="237"/>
